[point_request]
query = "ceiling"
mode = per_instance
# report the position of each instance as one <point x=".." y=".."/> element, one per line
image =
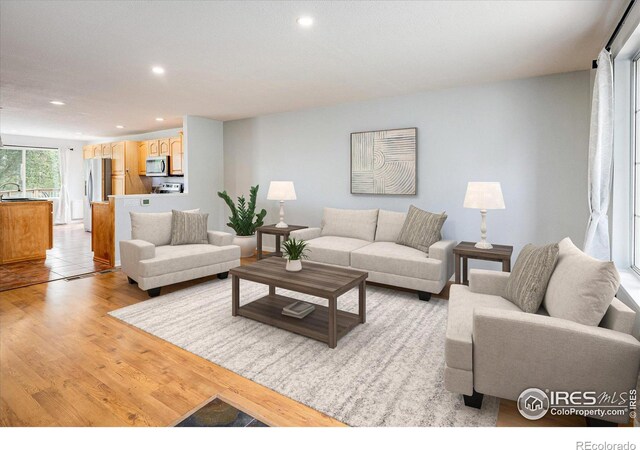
<point x="230" y="60"/>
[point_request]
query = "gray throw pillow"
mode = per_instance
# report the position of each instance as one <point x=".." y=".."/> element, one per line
<point x="528" y="281"/>
<point x="188" y="228"/>
<point x="421" y="229"/>
<point x="581" y="288"/>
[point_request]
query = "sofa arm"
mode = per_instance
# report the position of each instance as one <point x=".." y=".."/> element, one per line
<point x="132" y="252"/>
<point x="219" y="238"/>
<point x="619" y="317"/>
<point x="443" y="251"/>
<point x="306" y="234"/>
<point x="490" y="282"/>
<point x="514" y="350"/>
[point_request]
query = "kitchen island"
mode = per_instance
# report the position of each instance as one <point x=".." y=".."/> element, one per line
<point x="26" y="230"/>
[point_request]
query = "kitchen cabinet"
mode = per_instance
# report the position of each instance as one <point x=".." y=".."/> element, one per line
<point x="27" y="230"/>
<point x="117" y="185"/>
<point x="118" y="158"/>
<point x="87" y="152"/>
<point x="153" y="148"/>
<point x="143" y="150"/>
<point x="176" y="157"/>
<point x="103" y="232"/>
<point x="163" y="147"/>
<point x="105" y="150"/>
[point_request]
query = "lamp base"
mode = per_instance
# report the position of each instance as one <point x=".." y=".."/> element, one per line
<point x="483" y="245"/>
<point x="281" y="224"/>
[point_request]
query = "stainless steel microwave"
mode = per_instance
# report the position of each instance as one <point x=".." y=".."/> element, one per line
<point x="157" y="166"/>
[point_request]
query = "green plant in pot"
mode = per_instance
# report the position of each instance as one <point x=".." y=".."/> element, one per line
<point x="244" y="220"/>
<point x="295" y="251"/>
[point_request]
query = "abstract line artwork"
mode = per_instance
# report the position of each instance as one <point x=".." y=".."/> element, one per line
<point x="384" y="162"/>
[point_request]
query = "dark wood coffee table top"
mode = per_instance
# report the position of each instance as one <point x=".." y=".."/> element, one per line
<point x="314" y="279"/>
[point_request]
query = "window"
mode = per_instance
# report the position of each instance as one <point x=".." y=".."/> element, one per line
<point x="35" y="170"/>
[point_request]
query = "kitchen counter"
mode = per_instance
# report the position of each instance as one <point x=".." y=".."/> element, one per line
<point x="27" y="230"/>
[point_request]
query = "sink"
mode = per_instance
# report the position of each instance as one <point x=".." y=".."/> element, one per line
<point x="17" y="199"/>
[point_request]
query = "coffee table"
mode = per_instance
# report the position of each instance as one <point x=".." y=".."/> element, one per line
<point x="325" y="324"/>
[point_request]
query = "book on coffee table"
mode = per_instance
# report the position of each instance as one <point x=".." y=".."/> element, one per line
<point x="298" y="309"/>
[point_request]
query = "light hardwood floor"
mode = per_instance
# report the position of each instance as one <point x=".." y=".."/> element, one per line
<point x="64" y="361"/>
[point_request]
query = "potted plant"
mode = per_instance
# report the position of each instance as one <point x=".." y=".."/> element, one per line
<point x="244" y="220"/>
<point x="295" y="251"/>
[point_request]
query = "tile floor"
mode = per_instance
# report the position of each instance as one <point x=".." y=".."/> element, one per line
<point x="71" y="255"/>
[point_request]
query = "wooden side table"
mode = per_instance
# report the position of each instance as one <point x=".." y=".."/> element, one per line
<point x="467" y="250"/>
<point x="278" y="232"/>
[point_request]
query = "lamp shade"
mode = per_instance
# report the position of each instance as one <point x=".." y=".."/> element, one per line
<point x="484" y="195"/>
<point x="281" y="190"/>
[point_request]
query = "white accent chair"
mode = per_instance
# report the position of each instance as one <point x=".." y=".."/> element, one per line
<point x="151" y="261"/>
<point x="366" y="240"/>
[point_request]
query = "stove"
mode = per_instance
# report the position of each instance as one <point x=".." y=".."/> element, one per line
<point x="169" y="188"/>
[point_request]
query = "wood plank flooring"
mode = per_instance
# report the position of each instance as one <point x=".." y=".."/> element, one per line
<point x="71" y="255"/>
<point x="64" y="361"/>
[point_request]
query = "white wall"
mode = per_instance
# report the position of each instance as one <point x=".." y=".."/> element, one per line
<point x="76" y="169"/>
<point x="529" y="134"/>
<point x="204" y="163"/>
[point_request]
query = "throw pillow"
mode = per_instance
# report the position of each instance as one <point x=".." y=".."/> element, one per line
<point x="188" y="228"/>
<point x="528" y="280"/>
<point x="153" y="227"/>
<point x="581" y="288"/>
<point x="421" y="229"/>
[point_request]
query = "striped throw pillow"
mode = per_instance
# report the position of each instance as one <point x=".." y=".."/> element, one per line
<point x="188" y="228"/>
<point x="421" y="229"/>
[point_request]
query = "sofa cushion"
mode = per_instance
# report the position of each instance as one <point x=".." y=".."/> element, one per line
<point x="389" y="257"/>
<point x="189" y="228"/>
<point x="581" y="288"/>
<point x="459" y="338"/>
<point x="333" y="249"/>
<point x="170" y="259"/>
<point x="389" y="225"/>
<point x="350" y="223"/>
<point x="421" y="229"/>
<point x="153" y="227"/>
<point x="530" y="275"/>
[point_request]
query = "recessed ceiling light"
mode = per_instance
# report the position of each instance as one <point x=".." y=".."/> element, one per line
<point x="159" y="119"/>
<point x="305" y="21"/>
<point x="120" y="126"/>
<point x="157" y="70"/>
<point x="56" y="102"/>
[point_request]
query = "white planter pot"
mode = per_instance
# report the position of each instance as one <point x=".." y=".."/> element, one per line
<point x="247" y="245"/>
<point x="294" y="265"/>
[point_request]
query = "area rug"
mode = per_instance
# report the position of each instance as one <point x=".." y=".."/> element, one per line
<point x="386" y="372"/>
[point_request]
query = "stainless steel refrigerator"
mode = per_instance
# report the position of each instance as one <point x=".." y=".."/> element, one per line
<point x="97" y="185"/>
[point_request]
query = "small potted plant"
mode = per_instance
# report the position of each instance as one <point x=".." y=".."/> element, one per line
<point x="295" y="251"/>
<point x="244" y="220"/>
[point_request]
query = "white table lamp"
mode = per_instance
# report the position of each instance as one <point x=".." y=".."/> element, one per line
<point x="281" y="191"/>
<point x="484" y="196"/>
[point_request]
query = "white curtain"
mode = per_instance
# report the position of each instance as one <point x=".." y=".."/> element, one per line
<point x="596" y="242"/>
<point x="63" y="212"/>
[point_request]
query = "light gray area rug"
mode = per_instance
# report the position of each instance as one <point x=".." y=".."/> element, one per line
<point x="386" y="372"/>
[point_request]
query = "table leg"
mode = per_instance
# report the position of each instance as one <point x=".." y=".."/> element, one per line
<point x="465" y="270"/>
<point x="506" y="265"/>
<point x="235" y="295"/>
<point x="272" y="290"/>
<point x="259" y="244"/>
<point x="333" y="330"/>
<point x="456" y="260"/>
<point x="278" y="253"/>
<point x="362" y="297"/>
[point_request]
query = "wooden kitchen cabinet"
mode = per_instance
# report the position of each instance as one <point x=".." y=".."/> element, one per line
<point x="117" y="156"/>
<point x="176" y="158"/>
<point x="117" y="185"/>
<point x="164" y="147"/>
<point x="103" y="232"/>
<point x="143" y="150"/>
<point x="105" y="150"/>
<point x="87" y="152"/>
<point x="27" y="230"/>
<point x="153" y="148"/>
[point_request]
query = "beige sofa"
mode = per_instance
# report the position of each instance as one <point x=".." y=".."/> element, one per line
<point x="494" y="348"/>
<point x="150" y="261"/>
<point x="365" y="240"/>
